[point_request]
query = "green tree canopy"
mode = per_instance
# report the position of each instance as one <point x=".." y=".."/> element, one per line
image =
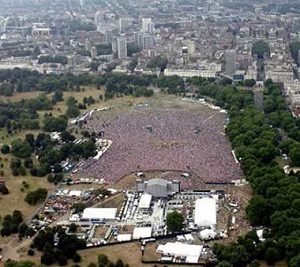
<point x="175" y="221"/>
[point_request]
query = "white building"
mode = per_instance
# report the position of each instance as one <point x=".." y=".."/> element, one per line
<point x="147" y="25"/>
<point x="141" y="232"/>
<point x="99" y="214"/>
<point x="205" y="212"/>
<point x="99" y="18"/>
<point x="230" y="59"/>
<point x="145" y="201"/>
<point x="124" y="24"/>
<point x="122" y="47"/>
<point x="190" y="73"/>
<point x="178" y="249"/>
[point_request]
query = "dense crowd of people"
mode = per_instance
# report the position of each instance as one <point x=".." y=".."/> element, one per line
<point x="165" y="139"/>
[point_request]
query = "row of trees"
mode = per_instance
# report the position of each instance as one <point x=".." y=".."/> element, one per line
<point x="279" y="116"/>
<point x="11" y="223"/>
<point x="275" y="204"/>
<point x="36" y="196"/>
<point x="50" y="153"/>
<point x="66" y="248"/>
<point x="103" y="261"/>
<point x="53" y="59"/>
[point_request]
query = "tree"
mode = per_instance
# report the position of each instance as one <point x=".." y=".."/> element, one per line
<point x="55" y="124"/>
<point x="11" y="263"/>
<point x="260" y="48"/>
<point x="34" y="197"/>
<point x="73" y="111"/>
<point x="119" y="263"/>
<point x="22" y="228"/>
<point x="67" y="136"/>
<point x="224" y="264"/>
<point x="295" y="261"/>
<point x="158" y="62"/>
<point x="102" y="260"/>
<point x="4" y="190"/>
<point x="295" y="155"/>
<point x="21" y="148"/>
<point x="76" y="257"/>
<point x="5" y="149"/>
<point x="175" y="221"/>
<point x="254" y="263"/>
<point x="259" y="211"/>
<point x="73" y="228"/>
<point x="58" y="96"/>
<point x="249" y="82"/>
<point x="29" y="138"/>
<point x="272" y="255"/>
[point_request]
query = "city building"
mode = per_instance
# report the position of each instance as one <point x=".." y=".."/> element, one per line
<point x="147" y="25"/>
<point x="98" y="18"/>
<point x="185" y="73"/>
<point x="109" y="35"/>
<point x="122" y="47"/>
<point x="145" y="202"/>
<point x="40" y="30"/>
<point x="144" y="40"/>
<point x="230" y="61"/>
<point x="124" y="24"/>
<point x="93" y="52"/>
<point x="158" y="187"/>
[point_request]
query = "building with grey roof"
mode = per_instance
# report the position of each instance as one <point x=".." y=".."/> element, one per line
<point x="158" y="187"/>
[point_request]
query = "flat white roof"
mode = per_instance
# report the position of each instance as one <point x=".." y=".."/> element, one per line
<point x="145" y="201"/>
<point x="76" y="193"/>
<point x="99" y="213"/>
<point x="124" y="237"/>
<point x="141" y="232"/>
<point x="205" y="212"/>
<point x="191" y="252"/>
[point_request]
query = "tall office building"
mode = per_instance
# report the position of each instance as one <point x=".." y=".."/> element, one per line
<point x="93" y="52"/>
<point x="230" y="58"/>
<point x="122" y="47"/>
<point x="144" y="40"/>
<point x="124" y="24"/>
<point x="99" y="17"/>
<point x="109" y="34"/>
<point x="147" y="25"/>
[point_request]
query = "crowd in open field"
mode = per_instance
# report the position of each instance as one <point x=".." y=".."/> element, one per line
<point x="164" y="139"/>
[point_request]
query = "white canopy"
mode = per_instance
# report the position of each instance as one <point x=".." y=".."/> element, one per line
<point x="205" y="212"/>
<point x="99" y="213"/>
<point x="141" y="232"/>
<point x="124" y="237"/>
<point x="145" y="201"/>
<point x="191" y="252"/>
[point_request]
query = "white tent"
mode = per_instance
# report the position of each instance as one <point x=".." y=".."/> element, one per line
<point x="123" y="237"/>
<point x="207" y="234"/>
<point x="205" y="212"/>
<point x="177" y="249"/>
<point x="141" y="232"/>
<point x="145" y="201"/>
<point x="99" y="213"/>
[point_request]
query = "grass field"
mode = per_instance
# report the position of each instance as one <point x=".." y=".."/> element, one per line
<point x="15" y="198"/>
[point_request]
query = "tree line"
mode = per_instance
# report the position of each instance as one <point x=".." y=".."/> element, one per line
<point x="276" y="201"/>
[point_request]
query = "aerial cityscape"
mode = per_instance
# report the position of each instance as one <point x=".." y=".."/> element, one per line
<point x="149" y="133"/>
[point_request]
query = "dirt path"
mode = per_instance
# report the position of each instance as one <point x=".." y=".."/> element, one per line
<point x="12" y="248"/>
